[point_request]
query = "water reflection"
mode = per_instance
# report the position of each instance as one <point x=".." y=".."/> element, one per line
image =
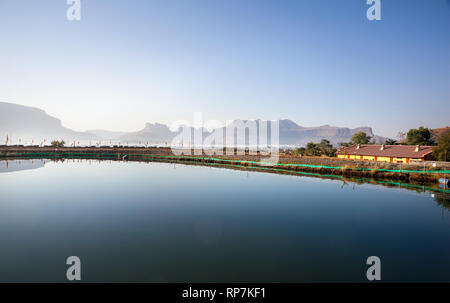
<point x="8" y="166"/>
<point x="442" y="199"/>
<point x="140" y="222"/>
<point x="440" y="194"/>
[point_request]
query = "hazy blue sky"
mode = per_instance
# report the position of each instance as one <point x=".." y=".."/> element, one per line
<point x="313" y="61"/>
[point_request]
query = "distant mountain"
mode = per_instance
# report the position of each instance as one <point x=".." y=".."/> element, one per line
<point x="437" y="132"/>
<point x="151" y="132"/>
<point x="290" y="133"/>
<point x="302" y="135"/>
<point x="31" y="123"/>
<point x="18" y="121"/>
<point x="157" y="132"/>
<point x="106" y="134"/>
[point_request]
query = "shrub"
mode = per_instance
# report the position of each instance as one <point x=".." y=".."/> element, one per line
<point x="57" y="143"/>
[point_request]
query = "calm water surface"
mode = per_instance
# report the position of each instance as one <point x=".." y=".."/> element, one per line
<point x="156" y="222"/>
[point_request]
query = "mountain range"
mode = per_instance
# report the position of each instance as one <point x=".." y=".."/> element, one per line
<point x="26" y="123"/>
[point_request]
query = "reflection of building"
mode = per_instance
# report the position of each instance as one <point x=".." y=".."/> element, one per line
<point x="386" y="153"/>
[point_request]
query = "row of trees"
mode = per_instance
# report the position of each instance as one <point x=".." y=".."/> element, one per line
<point x="324" y="148"/>
<point x="419" y="136"/>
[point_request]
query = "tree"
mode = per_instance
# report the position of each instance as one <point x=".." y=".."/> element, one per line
<point x="442" y="150"/>
<point x="57" y="143"/>
<point x="390" y="142"/>
<point x="326" y="148"/>
<point x="420" y="136"/>
<point x="360" y="138"/>
<point x="300" y="151"/>
<point x="312" y="149"/>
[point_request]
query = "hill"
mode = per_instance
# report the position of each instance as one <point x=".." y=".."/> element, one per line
<point x="18" y="121"/>
<point x="28" y="123"/>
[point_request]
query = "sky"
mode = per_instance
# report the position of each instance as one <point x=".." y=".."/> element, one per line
<point x="315" y="62"/>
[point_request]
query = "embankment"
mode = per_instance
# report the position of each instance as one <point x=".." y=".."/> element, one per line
<point x="412" y="173"/>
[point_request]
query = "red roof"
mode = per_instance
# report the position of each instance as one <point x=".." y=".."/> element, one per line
<point x="396" y="151"/>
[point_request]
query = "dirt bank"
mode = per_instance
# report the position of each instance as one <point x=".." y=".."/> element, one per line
<point x="415" y="173"/>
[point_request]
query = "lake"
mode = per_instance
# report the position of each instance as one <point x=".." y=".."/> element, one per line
<point x="163" y="222"/>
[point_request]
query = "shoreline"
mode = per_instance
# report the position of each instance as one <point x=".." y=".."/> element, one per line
<point x="297" y="165"/>
<point x="415" y="186"/>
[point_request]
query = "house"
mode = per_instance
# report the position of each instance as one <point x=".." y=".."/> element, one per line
<point x="386" y="153"/>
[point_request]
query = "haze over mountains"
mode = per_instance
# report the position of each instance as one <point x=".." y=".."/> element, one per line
<point x="28" y="123"/>
<point x="25" y="122"/>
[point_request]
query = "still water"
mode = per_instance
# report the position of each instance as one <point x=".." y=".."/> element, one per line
<point x="161" y="222"/>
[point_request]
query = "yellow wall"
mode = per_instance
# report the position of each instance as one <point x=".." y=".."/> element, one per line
<point x="384" y="159"/>
<point x="379" y="159"/>
<point x="370" y="158"/>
